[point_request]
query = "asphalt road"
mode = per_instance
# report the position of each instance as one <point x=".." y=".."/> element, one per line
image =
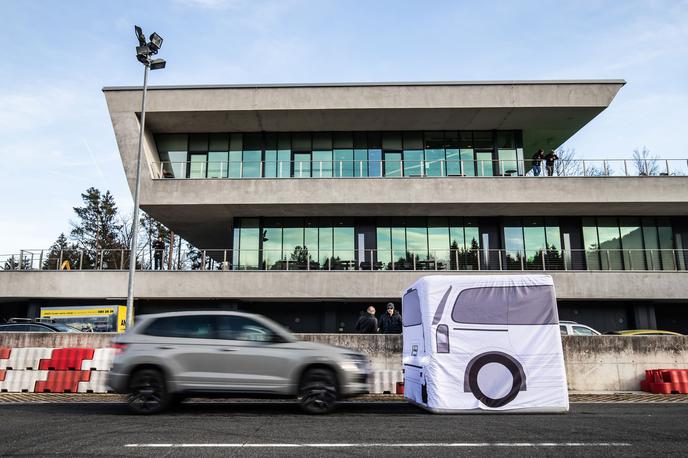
<point x="359" y="428"/>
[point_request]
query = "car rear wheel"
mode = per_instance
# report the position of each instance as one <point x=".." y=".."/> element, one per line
<point x="148" y="392"/>
<point x="514" y="385"/>
<point x="318" y="391"/>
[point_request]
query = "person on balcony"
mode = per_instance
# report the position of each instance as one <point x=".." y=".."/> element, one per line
<point x="367" y="323"/>
<point x="549" y="162"/>
<point x="158" y="250"/>
<point x="537" y="162"/>
<point x="390" y="322"/>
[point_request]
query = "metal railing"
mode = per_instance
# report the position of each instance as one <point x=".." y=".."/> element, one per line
<point x="421" y="168"/>
<point x="356" y="260"/>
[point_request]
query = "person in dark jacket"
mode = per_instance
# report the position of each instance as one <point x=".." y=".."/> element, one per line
<point x="367" y="323"/>
<point x="390" y="321"/>
<point x="158" y="249"/>
<point x="549" y="162"/>
<point x="537" y="162"/>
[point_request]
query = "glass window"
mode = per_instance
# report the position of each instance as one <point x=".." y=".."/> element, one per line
<point x="217" y="164"/>
<point x="481" y="306"/>
<point x="453" y="159"/>
<point x="582" y="331"/>
<point x="434" y="163"/>
<point x="301" y="142"/>
<point x="249" y="243"/>
<point x="651" y="243"/>
<point x="234" y="327"/>
<point x="172" y="149"/>
<point x="392" y="164"/>
<point x="292" y="237"/>
<point x="666" y="243"/>
<point x="399" y="242"/>
<point x="632" y="243"/>
<point x="391" y="141"/>
<point x="302" y="165"/>
<point x="270" y="167"/>
<point x="218" y="142"/>
<point x="508" y="164"/>
<point x="563" y="330"/>
<point x="283" y="163"/>
<point x="609" y="243"/>
<point x="438" y="242"/>
<point x="322" y="163"/>
<point x="591" y="242"/>
<point x="272" y="244"/>
<point x="375" y="162"/>
<point x="343" y="140"/>
<point x="343" y="163"/>
<point x="413" y="140"/>
<point x="344" y="244"/>
<point x="325" y="245"/>
<point x="384" y="245"/>
<point x="186" y="326"/>
<point x="513" y="242"/>
<point x="413" y="160"/>
<point x="235" y="164"/>
<point x="467" y="166"/>
<point x="417" y="239"/>
<point x="360" y="162"/>
<point x="483" y="163"/>
<point x="411" y="305"/>
<point x="197" y="166"/>
<point x="534" y="242"/>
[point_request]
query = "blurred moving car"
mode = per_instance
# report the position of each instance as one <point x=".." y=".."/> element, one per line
<point x="644" y="332"/>
<point x="168" y="356"/>
<point x="571" y="328"/>
<point x="29" y="325"/>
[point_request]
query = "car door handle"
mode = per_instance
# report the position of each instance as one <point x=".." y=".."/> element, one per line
<point x="165" y="348"/>
<point x="226" y="349"/>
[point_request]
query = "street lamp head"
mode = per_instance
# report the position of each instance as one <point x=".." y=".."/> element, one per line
<point x="139" y="35"/>
<point x="157" y="64"/>
<point x="155" y="42"/>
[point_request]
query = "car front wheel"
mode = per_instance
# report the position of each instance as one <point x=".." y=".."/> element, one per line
<point x="148" y="392"/>
<point x="318" y="391"/>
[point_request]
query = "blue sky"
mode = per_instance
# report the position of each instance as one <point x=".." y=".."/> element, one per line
<point x="55" y="134"/>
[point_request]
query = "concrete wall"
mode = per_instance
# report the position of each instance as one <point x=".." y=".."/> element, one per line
<point x="601" y="363"/>
<point x="314" y="285"/>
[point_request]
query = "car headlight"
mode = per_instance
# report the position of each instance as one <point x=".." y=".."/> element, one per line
<point x="355" y="361"/>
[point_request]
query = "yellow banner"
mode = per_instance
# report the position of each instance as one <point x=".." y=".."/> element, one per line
<point x="100" y="311"/>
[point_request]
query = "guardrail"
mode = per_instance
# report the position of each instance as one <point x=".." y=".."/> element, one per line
<point x="420" y="168"/>
<point x="356" y="260"/>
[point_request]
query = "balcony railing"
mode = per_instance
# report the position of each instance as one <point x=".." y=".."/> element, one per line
<point x="356" y="260"/>
<point x="401" y="168"/>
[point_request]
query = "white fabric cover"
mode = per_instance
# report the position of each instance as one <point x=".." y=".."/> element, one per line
<point x="483" y="343"/>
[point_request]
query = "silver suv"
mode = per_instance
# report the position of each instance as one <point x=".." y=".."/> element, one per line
<point x="169" y="356"/>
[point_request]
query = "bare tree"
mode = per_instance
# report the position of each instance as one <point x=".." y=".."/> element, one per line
<point x="645" y="163"/>
<point x="567" y="165"/>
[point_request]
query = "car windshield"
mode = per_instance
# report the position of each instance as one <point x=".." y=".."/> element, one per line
<point x="278" y="328"/>
<point x="63" y="327"/>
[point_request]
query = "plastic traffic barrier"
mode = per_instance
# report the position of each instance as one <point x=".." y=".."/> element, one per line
<point x="101" y="360"/>
<point x="64" y="359"/>
<point x="384" y="381"/>
<point x="62" y="381"/>
<point x="665" y="381"/>
<point x="28" y="358"/>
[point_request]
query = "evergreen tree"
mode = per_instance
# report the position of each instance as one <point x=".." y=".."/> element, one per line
<point x="98" y="230"/>
<point x="61" y="250"/>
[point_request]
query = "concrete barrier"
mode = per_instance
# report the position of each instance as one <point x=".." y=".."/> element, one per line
<point x="593" y="363"/>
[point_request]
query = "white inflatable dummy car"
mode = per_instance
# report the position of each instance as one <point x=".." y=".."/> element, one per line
<point x="483" y="343"/>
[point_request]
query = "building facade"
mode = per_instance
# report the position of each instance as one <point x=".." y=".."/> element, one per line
<point x="309" y="202"/>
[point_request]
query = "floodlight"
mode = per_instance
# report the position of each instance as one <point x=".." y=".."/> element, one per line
<point x="157" y="64"/>
<point x="139" y="34"/>
<point x="155" y="42"/>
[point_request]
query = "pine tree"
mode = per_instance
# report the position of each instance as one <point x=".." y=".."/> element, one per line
<point x="61" y="250"/>
<point x="98" y="230"/>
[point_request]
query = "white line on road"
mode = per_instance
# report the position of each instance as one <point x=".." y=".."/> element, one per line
<point x="387" y="444"/>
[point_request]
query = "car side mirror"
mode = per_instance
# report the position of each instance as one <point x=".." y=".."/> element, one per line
<point x="276" y="338"/>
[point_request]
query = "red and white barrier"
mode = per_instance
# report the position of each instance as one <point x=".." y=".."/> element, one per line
<point x="84" y="370"/>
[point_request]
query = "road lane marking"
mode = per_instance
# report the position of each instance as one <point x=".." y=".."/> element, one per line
<point x="387" y="444"/>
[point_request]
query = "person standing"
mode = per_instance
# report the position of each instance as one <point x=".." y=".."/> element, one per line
<point x="537" y="162"/>
<point x="390" y="322"/>
<point x="158" y="250"/>
<point x="549" y="162"/>
<point x="367" y="323"/>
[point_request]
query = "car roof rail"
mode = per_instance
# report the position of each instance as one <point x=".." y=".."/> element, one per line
<point x="19" y="320"/>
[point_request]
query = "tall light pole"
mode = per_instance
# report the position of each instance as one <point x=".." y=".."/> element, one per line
<point x="144" y="53"/>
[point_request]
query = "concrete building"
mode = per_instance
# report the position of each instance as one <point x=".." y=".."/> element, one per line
<point x="309" y="202"/>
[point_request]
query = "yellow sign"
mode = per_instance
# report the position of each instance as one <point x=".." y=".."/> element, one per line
<point x="53" y="313"/>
